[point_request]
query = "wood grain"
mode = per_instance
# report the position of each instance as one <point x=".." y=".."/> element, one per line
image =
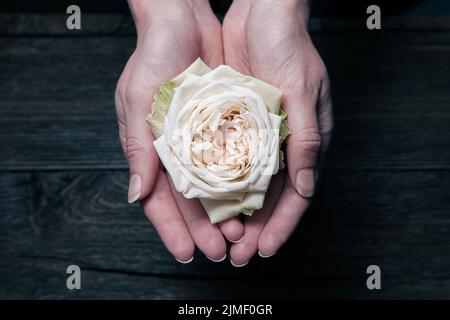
<point x="391" y="101"/>
<point x="397" y="220"/>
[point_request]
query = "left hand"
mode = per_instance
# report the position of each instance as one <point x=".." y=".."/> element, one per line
<point x="269" y="40"/>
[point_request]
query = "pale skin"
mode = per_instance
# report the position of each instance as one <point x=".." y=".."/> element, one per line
<point x="267" y="39"/>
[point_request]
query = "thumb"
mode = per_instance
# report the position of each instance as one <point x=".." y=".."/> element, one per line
<point x="133" y="99"/>
<point x="303" y="144"/>
<point x="142" y="157"/>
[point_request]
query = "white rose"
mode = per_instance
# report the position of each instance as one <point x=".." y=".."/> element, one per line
<point x="218" y="135"/>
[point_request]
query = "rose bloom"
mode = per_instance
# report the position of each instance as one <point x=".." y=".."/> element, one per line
<point x="218" y="135"/>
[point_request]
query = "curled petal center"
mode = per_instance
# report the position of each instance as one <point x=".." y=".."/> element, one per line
<point x="221" y="142"/>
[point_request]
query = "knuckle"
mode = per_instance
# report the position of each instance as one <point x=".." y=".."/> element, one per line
<point x="307" y="139"/>
<point x="134" y="147"/>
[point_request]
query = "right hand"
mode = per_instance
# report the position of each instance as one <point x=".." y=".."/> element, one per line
<point x="170" y="37"/>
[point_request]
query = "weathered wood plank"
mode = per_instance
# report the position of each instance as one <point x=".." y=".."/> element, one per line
<point x="95" y="24"/>
<point x="390" y="92"/>
<point x="397" y="220"/>
<point x="43" y="279"/>
<point x="16" y="24"/>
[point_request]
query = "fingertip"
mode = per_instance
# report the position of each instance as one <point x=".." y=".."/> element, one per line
<point x="238" y="265"/>
<point x="268" y="245"/>
<point x="264" y="256"/>
<point x="232" y="229"/>
<point x="134" y="188"/>
<point x="241" y="253"/>
<point x="216" y="249"/>
<point x="305" y="182"/>
<point x="218" y="260"/>
<point x="144" y="167"/>
<point x="185" y="261"/>
<point x="237" y="241"/>
<point x="183" y="251"/>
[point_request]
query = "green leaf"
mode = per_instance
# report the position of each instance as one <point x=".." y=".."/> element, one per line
<point x="285" y="131"/>
<point x="284" y="127"/>
<point x="281" y="160"/>
<point x="160" y="107"/>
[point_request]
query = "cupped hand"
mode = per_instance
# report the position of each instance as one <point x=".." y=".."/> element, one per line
<point x="269" y="40"/>
<point x="171" y="35"/>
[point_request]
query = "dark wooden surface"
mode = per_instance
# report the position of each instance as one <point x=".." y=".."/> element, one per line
<point x="384" y="198"/>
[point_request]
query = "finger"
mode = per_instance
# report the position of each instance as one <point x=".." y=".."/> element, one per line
<point x="232" y="229"/>
<point x="136" y="145"/>
<point x="161" y="209"/>
<point x="133" y="98"/>
<point x="142" y="158"/>
<point x="304" y="142"/>
<point x="242" y="252"/>
<point x="206" y="236"/>
<point x="290" y="208"/>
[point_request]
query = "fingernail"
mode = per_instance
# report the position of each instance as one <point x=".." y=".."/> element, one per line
<point x="186" y="261"/>
<point x="306" y="182"/>
<point x="218" y="260"/>
<point x="134" y="190"/>
<point x="238" y="265"/>
<point x="265" y="256"/>
<point x="237" y="241"/>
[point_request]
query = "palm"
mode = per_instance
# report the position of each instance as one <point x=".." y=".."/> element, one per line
<point x="258" y="44"/>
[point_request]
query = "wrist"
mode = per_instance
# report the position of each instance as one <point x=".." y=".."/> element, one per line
<point x="140" y="10"/>
<point x="300" y="8"/>
<point x="146" y="12"/>
<point x="278" y="2"/>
